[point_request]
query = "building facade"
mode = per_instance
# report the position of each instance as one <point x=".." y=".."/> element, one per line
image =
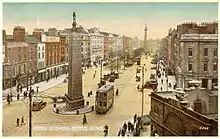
<point x="96" y="45"/>
<point x="192" y="53"/>
<point x="32" y="58"/>
<point x="53" y="56"/>
<point x="106" y="44"/>
<point x="15" y="64"/>
<point x="200" y="59"/>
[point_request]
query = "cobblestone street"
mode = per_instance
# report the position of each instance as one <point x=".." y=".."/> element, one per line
<point x="125" y="106"/>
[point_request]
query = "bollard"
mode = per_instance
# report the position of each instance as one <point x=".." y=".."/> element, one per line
<point x="77" y="112"/>
<point x="54" y="105"/>
<point x="87" y="102"/>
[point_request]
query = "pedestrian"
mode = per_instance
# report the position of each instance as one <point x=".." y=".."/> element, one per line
<point x="22" y="120"/>
<point x="129" y="126"/>
<point x="123" y="132"/>
<point x="125" y="126"/>
<point x="18" y="121"/>
<point x="95" y="71"/>
<point x="167" y="80"/>
<point x="94" y="76"/>
<point x="135" y="118"/>
<point x="132" y="127"/>
<point x="105" y="130"/>
<point x="161" y="88"/>
<point x="117" y="92"/>
<point x="84" y="120"/>
<point x="119" y="132"/>
<point x="162" y="81"/>
<point x="18" y="96"/>
<point x="8" y="99"/>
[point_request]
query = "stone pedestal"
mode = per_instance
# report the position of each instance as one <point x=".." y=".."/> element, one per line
<point x="74" y="104"/>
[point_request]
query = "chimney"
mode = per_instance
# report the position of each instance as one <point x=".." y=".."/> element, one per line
<point x="19" y="34"/>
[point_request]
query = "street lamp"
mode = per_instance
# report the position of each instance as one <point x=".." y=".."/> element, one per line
<point x="101" y="71"/>
<point x="142" y="91"/>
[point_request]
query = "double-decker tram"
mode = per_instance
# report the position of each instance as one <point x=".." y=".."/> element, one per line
<point x="104" y="98"/>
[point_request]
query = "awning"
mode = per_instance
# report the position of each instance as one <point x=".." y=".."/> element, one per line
<point x="43" y="70"/>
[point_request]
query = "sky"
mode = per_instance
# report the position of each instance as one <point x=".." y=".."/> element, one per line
<point x="122" y="18"/>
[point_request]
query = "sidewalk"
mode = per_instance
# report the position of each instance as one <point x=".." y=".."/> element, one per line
<point x="165" y="85"/>
<point x="42" y="85"/>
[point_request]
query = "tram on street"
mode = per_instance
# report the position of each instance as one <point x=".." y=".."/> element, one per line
<point x="104" y="98"/>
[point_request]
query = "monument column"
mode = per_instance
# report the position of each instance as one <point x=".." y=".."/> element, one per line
<point x="74" y="97"/>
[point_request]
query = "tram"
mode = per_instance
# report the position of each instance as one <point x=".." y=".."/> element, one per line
<point x="104" y="98"/>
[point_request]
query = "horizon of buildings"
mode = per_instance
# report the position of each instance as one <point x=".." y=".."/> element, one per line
<point x="121" y="18"/>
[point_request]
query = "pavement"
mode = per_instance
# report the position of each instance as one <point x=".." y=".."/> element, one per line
<point x="129" y="97"/>
<point x="164" y="84"/>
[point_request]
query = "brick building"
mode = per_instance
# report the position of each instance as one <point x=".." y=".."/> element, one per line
<point x="19" y="34"/>
<point x="106" y="44"/>
<point x="15" y="64"/>
<point x="53" y="56"/>
<point x="32" y="58"/>
<point x="173" y="115"/>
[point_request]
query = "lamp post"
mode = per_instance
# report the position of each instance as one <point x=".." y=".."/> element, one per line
<point x="142" y="91"/>
<point x="30" y="113"/>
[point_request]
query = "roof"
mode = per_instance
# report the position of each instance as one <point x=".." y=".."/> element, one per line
<point x="31" y="39"/>
<point x="105" y="88"/>
<point x="104" y="33"/>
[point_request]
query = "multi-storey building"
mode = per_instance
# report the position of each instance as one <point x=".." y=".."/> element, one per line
<point x="32" y="58"/>
<point x="106" y="44"/>
<point x="199" y="59"/>
<point x="192" y="53"/>
<point x="15" y="63"/>
<point x="53" y="56"/>
<point x="96" y="45"/>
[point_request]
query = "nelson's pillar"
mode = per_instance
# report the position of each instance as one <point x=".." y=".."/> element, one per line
<point x="74" y="97"/>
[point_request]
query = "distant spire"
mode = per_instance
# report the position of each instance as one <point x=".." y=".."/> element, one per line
<point x="145" y="27"/>
<point x="74" y="22"/>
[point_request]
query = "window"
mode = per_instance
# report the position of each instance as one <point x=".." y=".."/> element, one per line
<point x="42" y="48"/>
<point x="205" y="51"/>
<point x="42" y="54"/>
<point x="105" y="104"/>
<point x="205" y="66"/>
<point x="190" y="51"/>
<point x="190" y="67"/>
<point x="215" y="52"/>
<point x="215" y="67"/>
<point x="24" y="68"/>
<point x="38" y="55"/>
<point x="19" y="69"/>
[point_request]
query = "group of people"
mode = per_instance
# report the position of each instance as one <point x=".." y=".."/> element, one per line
<point x="161" y="69"/>
<point x="18" y="121"/>
<point x="130" y="127"/>
<point x="19" y="91"/>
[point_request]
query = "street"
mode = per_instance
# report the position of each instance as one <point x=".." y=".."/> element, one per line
<point x="125" y="106"/>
